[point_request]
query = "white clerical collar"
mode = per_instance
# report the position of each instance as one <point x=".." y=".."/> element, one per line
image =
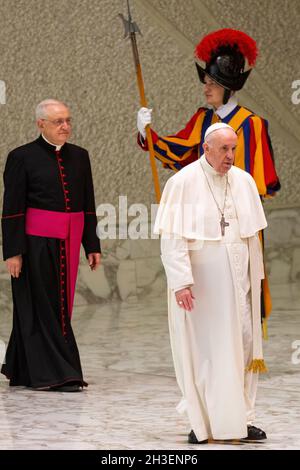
<point x="226" y="109"/>
<point x="208" y="168"/>
<point x="57" y="147"/>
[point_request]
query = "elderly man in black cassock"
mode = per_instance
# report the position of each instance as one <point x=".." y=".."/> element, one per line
<point x="48" y="211"/>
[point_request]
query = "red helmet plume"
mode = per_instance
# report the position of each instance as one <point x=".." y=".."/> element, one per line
<point x="227" y="37"/>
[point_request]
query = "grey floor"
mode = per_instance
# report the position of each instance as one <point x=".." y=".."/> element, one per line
<point x="132" y="394"/>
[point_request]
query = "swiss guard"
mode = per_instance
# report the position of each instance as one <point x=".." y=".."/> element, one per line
<point x="225" y="53"/>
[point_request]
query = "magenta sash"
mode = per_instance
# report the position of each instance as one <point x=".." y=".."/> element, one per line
<point x="67" y="226"/>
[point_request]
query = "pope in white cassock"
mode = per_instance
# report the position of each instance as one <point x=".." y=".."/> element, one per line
<point x="209" y="219"/>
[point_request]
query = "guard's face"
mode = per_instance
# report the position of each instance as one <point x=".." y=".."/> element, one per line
<point x="220" y="149"/>
<point x="57" y="126"/>
<point x="213" y="92"/>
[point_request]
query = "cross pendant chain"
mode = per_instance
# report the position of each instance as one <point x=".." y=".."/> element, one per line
<point x="223" y="224"/>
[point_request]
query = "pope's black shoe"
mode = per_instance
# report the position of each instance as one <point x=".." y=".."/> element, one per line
<point x="255" y="434"/>
<point x="192" y="439"/>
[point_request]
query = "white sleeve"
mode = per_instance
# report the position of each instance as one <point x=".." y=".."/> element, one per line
<point x="176" y="260"/>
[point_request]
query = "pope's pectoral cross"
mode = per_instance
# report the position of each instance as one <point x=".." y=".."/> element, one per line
<point x="223" y="224"/>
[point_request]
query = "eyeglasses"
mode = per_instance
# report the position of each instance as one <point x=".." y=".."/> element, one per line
<point x="60" y="122"/>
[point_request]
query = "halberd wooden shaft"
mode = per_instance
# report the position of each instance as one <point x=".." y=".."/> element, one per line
<point x="131" y="29"/>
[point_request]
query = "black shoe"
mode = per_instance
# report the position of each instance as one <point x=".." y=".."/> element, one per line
<point x="67" y="388"/>
<point x="255" y="434"/>
<point x="192" y="439"/>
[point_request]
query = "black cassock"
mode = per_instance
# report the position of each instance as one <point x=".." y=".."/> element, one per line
<point x="42" y="350"/>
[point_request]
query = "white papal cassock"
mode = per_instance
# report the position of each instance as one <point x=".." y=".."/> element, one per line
<point x="215" y="343"/>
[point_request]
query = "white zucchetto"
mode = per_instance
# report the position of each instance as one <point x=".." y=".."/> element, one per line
<point x="216" y="127"/>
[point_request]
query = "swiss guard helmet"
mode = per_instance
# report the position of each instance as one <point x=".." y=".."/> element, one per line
<point x="225" y="52"/>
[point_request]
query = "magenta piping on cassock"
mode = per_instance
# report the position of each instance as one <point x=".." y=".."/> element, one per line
<point x="67" y="226"/>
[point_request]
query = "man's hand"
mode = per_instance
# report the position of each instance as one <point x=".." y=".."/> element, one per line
<point x="14" y="265"/>
<point x="184" y="298"/>
<point x="143" y="119"/>
<point x="94" y="260"/>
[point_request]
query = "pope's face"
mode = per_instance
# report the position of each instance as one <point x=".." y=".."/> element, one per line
<point x="56" y="127"/>
<point x="220" y="149"/>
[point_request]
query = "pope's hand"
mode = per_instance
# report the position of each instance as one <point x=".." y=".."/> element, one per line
<point x="143" y="119"/>
<point x="14" y="265"/>
<point x="184" y="298"/>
